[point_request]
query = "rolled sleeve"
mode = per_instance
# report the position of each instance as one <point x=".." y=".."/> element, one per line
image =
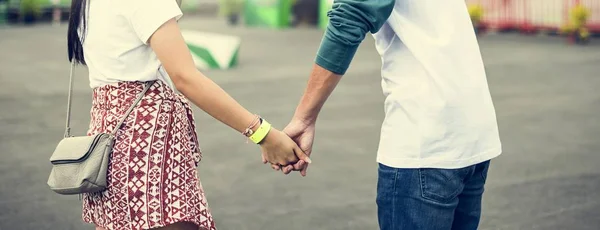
<point x="349" y="22"/>
<point x="152" y="14"/>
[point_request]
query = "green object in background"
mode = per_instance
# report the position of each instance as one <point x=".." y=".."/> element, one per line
<point x="3" y="12"/>
<point x="268" y="13"/>
<point x="30" y="10"/>
<point x="65" y="4"/>
<point x="42" y="4"/>
<point x="190" y="5"/>
<point x="211" y="50"/>
<point x="324" y="7"/>
<point x="228" y="7"/>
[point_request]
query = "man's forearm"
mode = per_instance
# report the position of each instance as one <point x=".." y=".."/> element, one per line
<point x="350" y="20"/>
<point x="320" y="85"/>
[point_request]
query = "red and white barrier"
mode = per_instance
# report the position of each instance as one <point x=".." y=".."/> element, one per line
<point x="548" y="15"/>
<point x="534" y="15"/>
<point x="594" y="21"/>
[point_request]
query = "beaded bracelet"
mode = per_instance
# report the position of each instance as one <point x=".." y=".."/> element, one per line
<point x="248" y="132"/>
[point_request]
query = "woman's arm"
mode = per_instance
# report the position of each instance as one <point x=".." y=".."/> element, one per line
<point x="170" y="48"/>
<point x="169" y="45"/>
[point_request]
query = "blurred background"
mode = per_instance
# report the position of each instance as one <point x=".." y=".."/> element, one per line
<point x="542" y="58"/>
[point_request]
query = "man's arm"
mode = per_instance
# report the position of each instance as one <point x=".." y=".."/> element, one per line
<point x="349" y="22"/>
<point x="320" y="85"/>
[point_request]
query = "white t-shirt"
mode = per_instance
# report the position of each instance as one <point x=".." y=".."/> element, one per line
<point x="438" y="108"/>
<point x="116" y="41"/>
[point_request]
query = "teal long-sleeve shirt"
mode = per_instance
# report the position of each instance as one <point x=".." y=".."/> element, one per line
<point x="349" y="22"/>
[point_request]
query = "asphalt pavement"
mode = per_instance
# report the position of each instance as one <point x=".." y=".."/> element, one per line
<point x="546" y="95"/>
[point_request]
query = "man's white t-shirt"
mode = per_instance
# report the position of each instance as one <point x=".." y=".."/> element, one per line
<point x="116" y="40"/>
<point x="438" y="108"/>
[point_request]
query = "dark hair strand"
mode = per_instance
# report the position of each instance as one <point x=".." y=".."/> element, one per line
<point x="77" y="22"/>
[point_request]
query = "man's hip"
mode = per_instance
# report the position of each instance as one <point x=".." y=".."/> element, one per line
<point x="430" y="198"/>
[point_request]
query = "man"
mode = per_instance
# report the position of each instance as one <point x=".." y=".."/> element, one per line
<point x="440" y="128"/>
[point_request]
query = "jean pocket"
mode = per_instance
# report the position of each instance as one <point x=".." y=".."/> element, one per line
<point x="442" y="185"/>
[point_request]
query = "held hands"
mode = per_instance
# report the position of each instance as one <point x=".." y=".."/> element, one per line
<point x="303" y="134"/>
<point x="280" y="150"/>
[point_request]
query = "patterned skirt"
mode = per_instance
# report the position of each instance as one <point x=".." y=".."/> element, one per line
<point x="152" y="178"/>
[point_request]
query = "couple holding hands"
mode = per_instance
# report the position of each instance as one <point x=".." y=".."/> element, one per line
<point x="436" y="142"/>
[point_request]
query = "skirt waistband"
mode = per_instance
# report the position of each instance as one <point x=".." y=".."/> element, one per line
<point x="124" y="92"/>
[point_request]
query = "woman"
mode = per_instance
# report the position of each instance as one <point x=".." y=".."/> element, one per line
<point x="152" y="181"/>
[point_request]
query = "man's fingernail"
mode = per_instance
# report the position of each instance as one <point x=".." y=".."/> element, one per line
<point x="308" y="160"/>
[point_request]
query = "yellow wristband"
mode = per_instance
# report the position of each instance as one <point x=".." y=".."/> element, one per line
<point x="261" y="132"/>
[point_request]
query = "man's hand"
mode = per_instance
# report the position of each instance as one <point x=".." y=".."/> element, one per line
<point x="302" y="127"/>
<point x="303" y="133"/>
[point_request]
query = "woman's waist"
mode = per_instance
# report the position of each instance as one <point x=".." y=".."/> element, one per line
<point x="96" y="82"/>
<point x="123" y="93"/>
<point x="106" y="76"/>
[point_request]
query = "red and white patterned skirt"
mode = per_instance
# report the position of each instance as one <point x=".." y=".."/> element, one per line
<point x="152" y="178"/>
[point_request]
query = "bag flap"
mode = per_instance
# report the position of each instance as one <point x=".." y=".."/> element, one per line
<point x="74" y="148"/>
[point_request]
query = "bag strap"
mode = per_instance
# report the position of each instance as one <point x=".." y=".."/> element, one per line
<point x="70" y="99"/>
<point x="137" y="100"/>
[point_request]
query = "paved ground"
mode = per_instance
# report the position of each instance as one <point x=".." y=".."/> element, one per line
<point x="545" y="92"/>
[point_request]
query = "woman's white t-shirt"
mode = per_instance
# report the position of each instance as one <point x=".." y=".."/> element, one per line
<point x="115" y="43"/>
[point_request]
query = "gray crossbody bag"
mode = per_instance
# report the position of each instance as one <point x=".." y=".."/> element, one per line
<point x="80" y="164"/>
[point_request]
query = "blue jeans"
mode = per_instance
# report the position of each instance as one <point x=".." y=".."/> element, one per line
<point x="430" y="199"/>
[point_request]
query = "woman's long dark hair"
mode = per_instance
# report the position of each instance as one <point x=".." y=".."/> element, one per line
<point x="77" y="22"/>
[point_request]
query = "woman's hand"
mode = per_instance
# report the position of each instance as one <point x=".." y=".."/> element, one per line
<point x="279" y="149"/>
